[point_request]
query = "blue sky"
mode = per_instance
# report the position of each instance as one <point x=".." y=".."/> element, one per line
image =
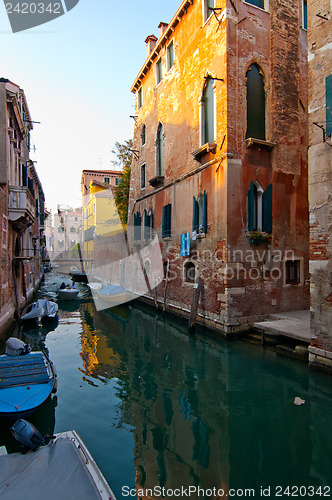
<point x="76" y="72"/>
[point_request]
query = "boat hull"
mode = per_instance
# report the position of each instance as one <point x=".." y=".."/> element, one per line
<point x="26" y="382"/>
<point x="68" y="294"/>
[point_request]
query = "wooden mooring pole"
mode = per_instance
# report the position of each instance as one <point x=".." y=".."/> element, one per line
<point x="194" y="305"/>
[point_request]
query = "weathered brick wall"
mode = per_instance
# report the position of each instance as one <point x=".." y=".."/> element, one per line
<point x="236" y="291"/>
<point x="320" y="173"/>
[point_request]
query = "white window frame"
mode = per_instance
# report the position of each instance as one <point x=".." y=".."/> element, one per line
<point x="171" y="44"/>
<point x="159" y="65"/>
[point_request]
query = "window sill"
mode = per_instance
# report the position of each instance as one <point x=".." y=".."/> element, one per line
<point x="257" y="237"/>
<point x="251" y="141"/>
<point x="158" y="180"/>
<point x="209" y="147"/>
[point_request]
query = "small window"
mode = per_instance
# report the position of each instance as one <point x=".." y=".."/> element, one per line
<point x="61" y="229"/>
<point x="292" y="272"/>
<point x="117" y="180"/>
<point x="257" y="3"/>
<point x="189" y="272"/>
<point x="148" y="224"/>
<point x="139" y="98"/>
<point x="170" y="55"/>
<point x="200" y="213"/>
<point x="143" y="135"/>
<point x="143" y="176"/>
<point x="159" y="73"/>
<point x="255" y="103"/>
<point x="106" y="180"/>
<point x="167" y="221"/>
<point x="207" y="6"/>
<point x="73" y="229"/>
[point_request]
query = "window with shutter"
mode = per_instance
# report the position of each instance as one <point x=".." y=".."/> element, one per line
<point x="208" y="98"/>
<point x="259" y="208"/>
<point x="255" y="103"/>
<point x="167" y="221"/>
<point x="137" y="226"/>
<point x="207" y="5"/>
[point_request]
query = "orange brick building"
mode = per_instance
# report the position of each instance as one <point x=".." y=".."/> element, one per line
<point x="221" y="167"/>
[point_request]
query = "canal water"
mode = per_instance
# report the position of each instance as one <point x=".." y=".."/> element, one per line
<point x="159" y="408"/>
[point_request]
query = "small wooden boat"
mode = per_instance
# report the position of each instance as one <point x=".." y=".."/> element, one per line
<point x="114" y="295"/>
<point x="64" y="468"/>
<point x="40" y="311"/>
<point x="26" y="381"/>
<point x="68" y="293"/>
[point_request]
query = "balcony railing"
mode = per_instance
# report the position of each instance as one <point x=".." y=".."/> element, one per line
<point x="21" y="206"/>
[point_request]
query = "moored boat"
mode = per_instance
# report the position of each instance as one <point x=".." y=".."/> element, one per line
<point x="80" y="277"/>
<point x="26" y="380"/>
<point x="64" y="468"/>
<point x="68" y="293"/>
<point x="115" y="295"/>
<point x="40" y="311"/>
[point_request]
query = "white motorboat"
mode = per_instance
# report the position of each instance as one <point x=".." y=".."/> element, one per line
<point x="64" y="468"/>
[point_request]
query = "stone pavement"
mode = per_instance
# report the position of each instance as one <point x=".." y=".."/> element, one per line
<point x="294" y="324"/>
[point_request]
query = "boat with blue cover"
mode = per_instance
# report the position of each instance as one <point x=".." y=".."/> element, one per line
<point x="114" y="295"/>
<point x="26" y="381"/>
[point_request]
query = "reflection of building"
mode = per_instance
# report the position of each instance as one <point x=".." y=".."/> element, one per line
<point x="21" y="206"/>
<point x="100" y="215"/>
<point x="320" y="178"/>
<point x="220" y="132"/>
<point x="67" y="229"/>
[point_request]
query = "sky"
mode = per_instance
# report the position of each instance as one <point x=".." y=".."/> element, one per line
<point x="76" y="72"/>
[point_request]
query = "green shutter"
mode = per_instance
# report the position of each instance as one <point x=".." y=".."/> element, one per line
<point x="169" y="219"/>
<point x="267" y="209"/>
<point x="257" y="3"/>
<point x="252" y="219"/>
<point x="204" y="215"/>
<point x="328" y="87"/>
<point x="163" y="229"/>
<point x="195" y="214"/>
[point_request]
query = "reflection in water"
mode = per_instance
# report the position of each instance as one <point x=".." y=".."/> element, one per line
<point x="198" y="411"/>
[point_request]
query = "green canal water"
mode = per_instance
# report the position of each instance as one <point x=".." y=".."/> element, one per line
<point x="158" y="408"/>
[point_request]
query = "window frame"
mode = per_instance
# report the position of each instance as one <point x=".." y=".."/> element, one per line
<point x="205" y="5"/>
<point x="143" y="169"/>
<point x="186" y="265"/>
<point x="251" y="104"/>
<point x="299" y="281"/>
<point x="166" y="231"/>
<point x="143" y="135"/>
<point x="159" y="71"/>
<point x="160" y="164"/>
<point x="204" y="111"/>
<point x="139" y="98"/>
<point x="170" y="60"/>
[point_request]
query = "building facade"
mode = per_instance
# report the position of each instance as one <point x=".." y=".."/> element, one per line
<point x="221" y="174"/>
<point x="100" y="215"/>
<point x="67" y="230"/>
<point x="320" y="178"/>
<point x="21" y="206"/>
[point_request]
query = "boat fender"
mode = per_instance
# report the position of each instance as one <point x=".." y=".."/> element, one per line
<point x="16" y="347"/>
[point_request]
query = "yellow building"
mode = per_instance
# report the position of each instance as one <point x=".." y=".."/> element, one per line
<point x="100" y="218"/>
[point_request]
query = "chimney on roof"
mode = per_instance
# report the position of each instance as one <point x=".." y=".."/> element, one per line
<point x="162" y="27"/>
<point x="150" y="41"/>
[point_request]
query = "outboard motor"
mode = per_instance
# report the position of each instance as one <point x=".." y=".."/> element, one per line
<point x="27" y="434"/>
<point x="16" y="347"/>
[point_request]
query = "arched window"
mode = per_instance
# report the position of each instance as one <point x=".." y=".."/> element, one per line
<point x="160" y="150"/>
<point x="189" y="272"/>
<point x="255" y="103"/>
<point x="207" y="115"/>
